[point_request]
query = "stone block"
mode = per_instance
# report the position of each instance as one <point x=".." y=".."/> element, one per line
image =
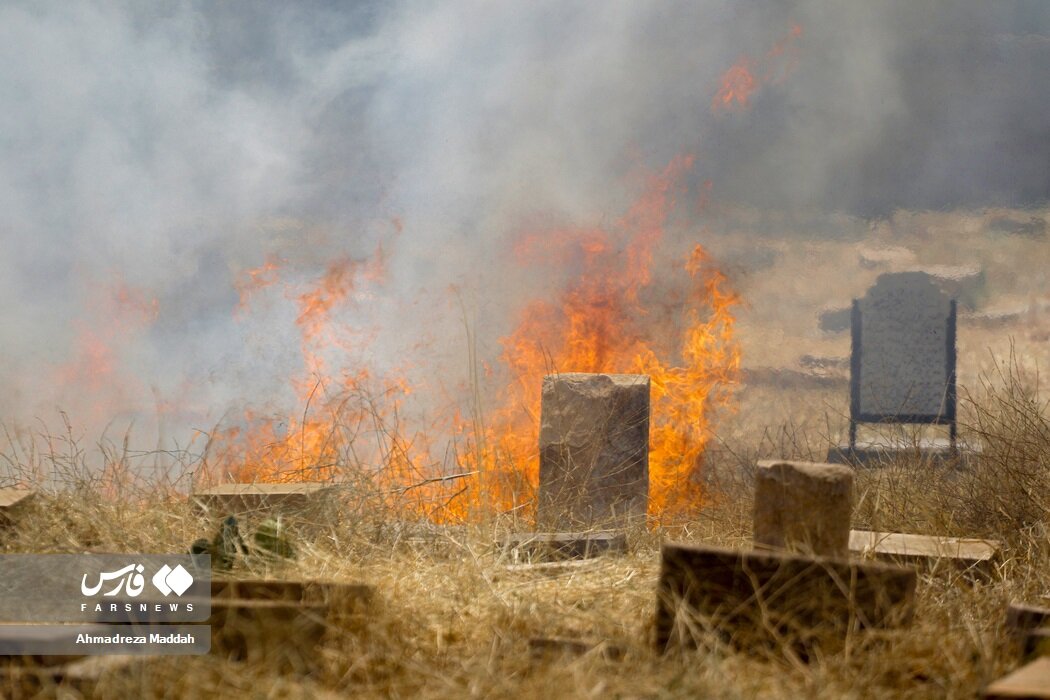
<point x="756" y="597"/>
<point x="594" y="451"/>
<point x="263" y="499"/>
<point x="803" y="506"/>
<point x="1021" y="618"/>
<point x="1036" y="643"/>
<point x="12" y="504"/>
<point x="889" y="449"/>
<point x="282" y="634"/>
<point x="924" y="549"/>
<point x="1030" y="682"/>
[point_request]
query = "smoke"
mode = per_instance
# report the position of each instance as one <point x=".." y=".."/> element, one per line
<point x="153" y="155"/>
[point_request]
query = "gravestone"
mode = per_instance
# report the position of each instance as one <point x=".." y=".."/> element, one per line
<point x="594" y="451"/>
<point x="13" y="502"/>
<point x="803" y="506"/>
<point x="902" y="365"/>
<point x="751" y="598"/>
<point x="1030" y="682"/>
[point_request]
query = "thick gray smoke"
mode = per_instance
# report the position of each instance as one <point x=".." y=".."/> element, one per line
<point x="165" y="149"/>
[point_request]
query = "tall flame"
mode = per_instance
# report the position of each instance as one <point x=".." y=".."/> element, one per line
<point x="741" y="80"/>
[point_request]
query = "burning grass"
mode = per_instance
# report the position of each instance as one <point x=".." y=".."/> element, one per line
<point x="453" y="619"/>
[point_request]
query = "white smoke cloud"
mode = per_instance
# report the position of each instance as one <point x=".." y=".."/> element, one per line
<point x="171" y="147"/>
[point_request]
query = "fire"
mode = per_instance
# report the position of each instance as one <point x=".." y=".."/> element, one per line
<point x="740" y="82"/>
<point x="628" y="307"/>
<point x="610" y="319"/>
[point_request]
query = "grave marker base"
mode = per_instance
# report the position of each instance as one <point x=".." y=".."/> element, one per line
<point x="1031" y="682"/>
<point x="873" y="453"/>
<point x="925" y="549"/>
<point x="752" y="598"/>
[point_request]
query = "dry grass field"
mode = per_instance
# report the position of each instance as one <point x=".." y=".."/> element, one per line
<point x="453" y="616"/>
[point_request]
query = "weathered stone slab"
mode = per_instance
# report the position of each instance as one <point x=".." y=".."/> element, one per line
<point x="1036" y="643"/>
<point x="594" y="451"/>
<point x="904" y="341"/>
<point x="906" y="548"/>
<point x="803" y="506"/>
<point x="237" y="499"/>
<point x="1031" y="682"/>
<point x="535" y="546"/>
<point x="754" y="597"/>
<point x="277" y="632"/>
<point x="1021" y="617"/>
<point x="12" y="504"/>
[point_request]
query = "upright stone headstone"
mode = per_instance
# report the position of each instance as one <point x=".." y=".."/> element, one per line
<point x="594" y="451"/>
<point x="803" y="506"/>
<point x="902" y="360"/>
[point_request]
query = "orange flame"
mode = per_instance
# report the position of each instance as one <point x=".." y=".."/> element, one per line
<point x="621" y="312"/>
<point x="606" y="322"/>
<point x="740" y="82"/>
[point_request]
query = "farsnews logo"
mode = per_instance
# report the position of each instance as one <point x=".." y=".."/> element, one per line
<point x="169" y="580"/>
<point x="131" y="580"/>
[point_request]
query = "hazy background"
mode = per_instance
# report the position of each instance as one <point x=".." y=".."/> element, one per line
<point x="152" y="153"/>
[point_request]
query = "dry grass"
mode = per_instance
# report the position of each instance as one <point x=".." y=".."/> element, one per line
<point x="452" y="620"/>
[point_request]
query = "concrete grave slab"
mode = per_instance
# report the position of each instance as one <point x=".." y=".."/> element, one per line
<point x="889" y="449"/>
<point x="277" y="632"/>
<point x="906" y="548"/>
<point x="1030" y="682"/>
<point x="1021" y="617"/>
<point x="594" y="451"/>
<point x="12" y="504"/>
<point x="239" y="499"/>
<point x="754" y="597"/>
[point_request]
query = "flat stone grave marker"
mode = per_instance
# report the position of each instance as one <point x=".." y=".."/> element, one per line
<point x="279" y="632"/>
<point x="280" y="622"/>
<point x="232" y="499"/>
<point x="12" y="502"/>
<point x="1031" y="682"/>
<point x="753" y="597"/>
<point x="531" y="547"/>
<point x="902" y="364"/>
<point x="803" y="506"/>
<point x="594" y="451"/>
<point x="964" y="552"/>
